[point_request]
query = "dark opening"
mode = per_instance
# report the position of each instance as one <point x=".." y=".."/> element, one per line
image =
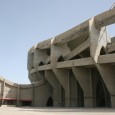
<point x="0" y="102"/>
<point x="80" y="95"/>
<point x="9" y="102"/>
<point x="48" y="62"/>
<point x="76" y="57"/>
<point x="102" y="52"/>
<point x="73" y="84"/>
<point x="26" y="103"/>
<point x="102" y="95"/>
<point x="50" y="102"/>
<point x="41" y="63"/>
<point x="85" y="53"/>
<point x="60" y="59"/>
<point x="48" y="52"/>
<point x="62" y="97"/>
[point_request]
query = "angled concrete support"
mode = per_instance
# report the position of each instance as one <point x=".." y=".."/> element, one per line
<point x="40" y="56"/>
<point x="83" y="76"/>
<point x="98" y="39"/>
<point x="51" y="78"/>
<point x="63" y="77"/>
<point x="107" y="73"/>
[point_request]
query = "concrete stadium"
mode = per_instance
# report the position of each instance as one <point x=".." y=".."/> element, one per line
<point x="73" y="69"/>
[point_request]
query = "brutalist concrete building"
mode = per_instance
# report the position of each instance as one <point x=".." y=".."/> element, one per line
<point x="73" y="69"/>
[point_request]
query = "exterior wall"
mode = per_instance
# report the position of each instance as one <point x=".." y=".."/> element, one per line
<point x="10" y="91"/>
<point x="41" y="95"/>
<point x="36" y="94"/>
<point x="26" y="93"/>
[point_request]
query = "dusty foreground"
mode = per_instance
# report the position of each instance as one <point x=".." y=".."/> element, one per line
<point x="54" y="111"/>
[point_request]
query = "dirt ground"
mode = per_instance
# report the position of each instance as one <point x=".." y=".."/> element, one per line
<point x="54" y="111"/>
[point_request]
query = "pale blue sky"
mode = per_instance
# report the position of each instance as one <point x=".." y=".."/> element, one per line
<point x="24" y="23"/>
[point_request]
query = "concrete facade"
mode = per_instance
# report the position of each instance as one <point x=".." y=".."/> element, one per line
<point x="73" y="69"/>
<point x="24" y="94"/>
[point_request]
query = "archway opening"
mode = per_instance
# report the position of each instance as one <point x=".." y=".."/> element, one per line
<point x="50" y="102"/>
<point x="80" y="96"/>
<point x="102" y="95"/>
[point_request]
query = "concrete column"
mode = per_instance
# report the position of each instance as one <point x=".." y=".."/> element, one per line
<point x="3" y="91"/>
<point x="83" y="76"/>
<point x="18" y="95"/>
<point x="51" y="78"/>
<point x="107" y="73"/>
<point x="73" y="90"/>
<point x="98" y="39"/>
<point x="63" y="77"/>
<point x="33" y="94"/>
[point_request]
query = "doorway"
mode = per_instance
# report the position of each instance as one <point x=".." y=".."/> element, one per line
<point x="50" y="102"/>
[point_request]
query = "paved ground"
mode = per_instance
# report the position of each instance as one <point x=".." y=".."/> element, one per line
<point x="54" y="111"/>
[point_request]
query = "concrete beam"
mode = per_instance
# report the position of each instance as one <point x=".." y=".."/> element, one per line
<point x="78" y="50"/>
<point x="76" y="32"/>
<point x="108" y="58"/>
<point x="75" y="63"/>
<point x="44" y="45"/>
<point x="48" y="60"/>
<point x="105" y="18"/>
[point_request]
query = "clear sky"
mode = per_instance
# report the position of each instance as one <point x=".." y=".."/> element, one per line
<point x="24" y="23"/>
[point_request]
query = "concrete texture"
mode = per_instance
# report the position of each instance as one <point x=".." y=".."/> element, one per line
<point x="79" y="56"/>
<point x="73" y="69"/>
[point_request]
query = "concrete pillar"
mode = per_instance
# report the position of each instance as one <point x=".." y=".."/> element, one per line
<point x="73" y="90"/>
<point x="107" y="73"/>
<point x="98" y="39"/>
<point x="63" y="77"/>
<point x="33" y="95"/>
<point x="51" y="78"/>
<point x="3" y="90"/>
<point x="83" y="76"/>
<point x="18" y="95"/>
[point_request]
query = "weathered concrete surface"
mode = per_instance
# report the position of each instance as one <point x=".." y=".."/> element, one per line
<point x="73" y="69"/>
